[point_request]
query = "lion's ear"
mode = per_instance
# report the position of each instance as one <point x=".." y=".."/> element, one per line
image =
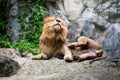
<point x="48" y="19"/>
<point x="45" y="20"/>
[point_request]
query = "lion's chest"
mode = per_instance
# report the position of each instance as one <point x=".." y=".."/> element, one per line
<point x="51" y="46"/>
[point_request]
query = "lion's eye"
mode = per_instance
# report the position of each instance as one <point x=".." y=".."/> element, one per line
<point x="58" y="21"/>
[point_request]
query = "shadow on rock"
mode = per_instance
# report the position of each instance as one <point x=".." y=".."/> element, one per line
<point x="8" y="66"/>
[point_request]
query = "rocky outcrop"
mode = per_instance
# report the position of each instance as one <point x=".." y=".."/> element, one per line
<point x="8" y="66"/>
<point x="55" y="69"/>
<point x="96" y="19"/>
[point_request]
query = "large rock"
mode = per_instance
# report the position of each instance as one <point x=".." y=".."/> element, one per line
<point x="71" y="8"/>
<point x="55" y="69"/>
<point x="8" y="66"/>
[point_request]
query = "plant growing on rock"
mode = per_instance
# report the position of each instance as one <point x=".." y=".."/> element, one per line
<point x="31" y="21"/>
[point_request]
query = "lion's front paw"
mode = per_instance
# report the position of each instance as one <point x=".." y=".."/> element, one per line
<point x="77" y="58"/>
<point x="40" y="57"/>
<point x="68" y="58"/>
<point x="36" y="57"/>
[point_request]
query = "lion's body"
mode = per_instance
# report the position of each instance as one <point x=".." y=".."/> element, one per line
<point x="52" y="40"/>
<point x="85" y="49"/>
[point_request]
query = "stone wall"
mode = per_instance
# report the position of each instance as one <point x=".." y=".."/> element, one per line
<point x="13" y="23"/>
<point x="96" y="19"/>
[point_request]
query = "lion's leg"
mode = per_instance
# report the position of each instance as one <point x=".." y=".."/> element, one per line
<point x="86" y="56"/>
<point x="41" y="56"/>
<point x="100" y="55"/>
<point x="67" y="54"/>
<point x="93" y="55"/>
<point x="91" y="43"/>
<point x="76" y="44"/>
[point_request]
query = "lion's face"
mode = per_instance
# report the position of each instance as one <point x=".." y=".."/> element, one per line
<point x="54" y="24"/>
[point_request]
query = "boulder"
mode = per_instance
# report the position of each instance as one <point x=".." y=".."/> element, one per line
<point x="56" y="69"/>
<point x="8" y="66"/>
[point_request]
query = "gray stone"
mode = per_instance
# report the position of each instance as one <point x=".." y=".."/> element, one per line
<point x="10" y="52"/>
<point x="112" y="41"/>
<point x="8" y="66"/>
<point x="89" y="13"/>
<point x="55" y="69"/>
<point x="109" y="8"/>
<point x="13" y="24"/>
<point x="85" y="77"/>
<point x="91" y="3"/>
<point x="71" y="8"/>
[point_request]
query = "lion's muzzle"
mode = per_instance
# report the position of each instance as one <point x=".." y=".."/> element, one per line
<point x="57" y="26"/>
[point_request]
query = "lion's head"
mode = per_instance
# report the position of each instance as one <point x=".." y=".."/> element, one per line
<point x="54" y="24"/>
<point x="54" y="29"/>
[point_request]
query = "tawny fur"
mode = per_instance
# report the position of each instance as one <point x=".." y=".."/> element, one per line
<point x="52" y="40"/>
<point x="86" y="48"/>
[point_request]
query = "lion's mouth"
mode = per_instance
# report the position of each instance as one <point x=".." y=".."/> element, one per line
<point x="57" y="26"/>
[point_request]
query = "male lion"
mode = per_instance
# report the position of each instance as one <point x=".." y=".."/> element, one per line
<point x="52" y="40"/>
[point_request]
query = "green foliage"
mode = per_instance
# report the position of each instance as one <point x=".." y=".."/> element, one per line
<point x="31" y="20"/>
<point x="3" y="27"/>
<point x="4" y="40"/>
<point x="22" y="45"/>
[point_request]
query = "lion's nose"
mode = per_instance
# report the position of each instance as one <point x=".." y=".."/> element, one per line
<point x="58" y="21"/>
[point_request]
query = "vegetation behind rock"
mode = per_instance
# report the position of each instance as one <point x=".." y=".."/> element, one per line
<point x="30" y="15"/>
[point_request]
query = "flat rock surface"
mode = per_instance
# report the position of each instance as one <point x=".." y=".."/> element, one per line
<point x="55" y="69"/>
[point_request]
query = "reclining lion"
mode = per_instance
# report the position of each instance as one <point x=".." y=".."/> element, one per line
<point x="86" y="49"/>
